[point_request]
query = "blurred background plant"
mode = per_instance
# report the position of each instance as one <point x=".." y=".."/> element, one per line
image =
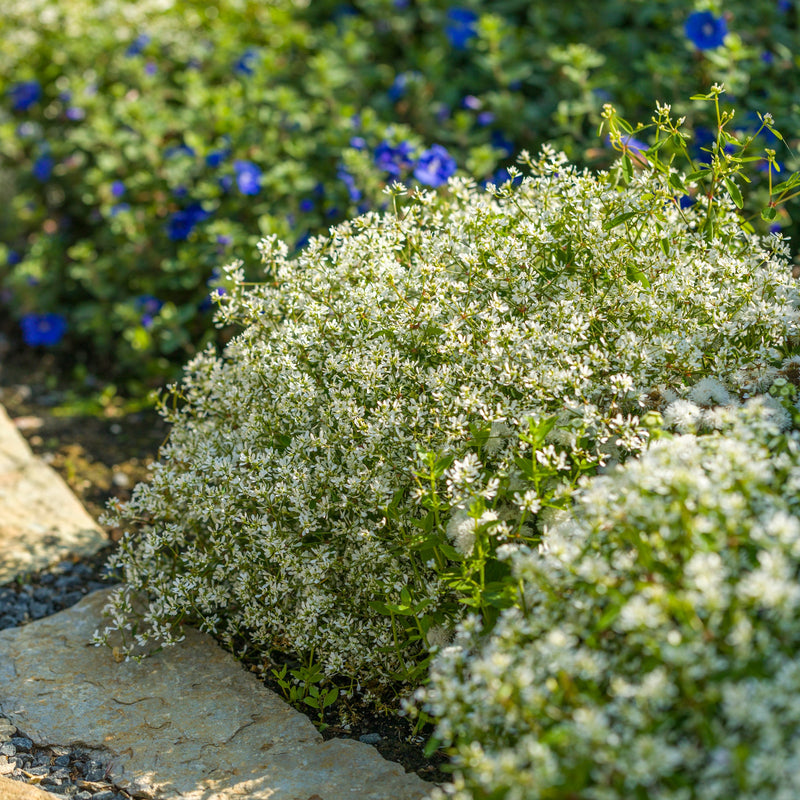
<point x="142" y="146"/>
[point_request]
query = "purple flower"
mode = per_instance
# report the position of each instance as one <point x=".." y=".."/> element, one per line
<point x="460" y="27"/>
<point x="24" y="95"/>
<point x="137" y="45"/>
<point x="248" y="177"/>
<point x="117" y="189"/>
<point x="150" y="68"/>
<point x="43" y="168"/>
<point x="634" y="145"/>
<point x="434" y="166"/>
<point x="705" y="30"/>
<point x="358" y="143"/>
<point x="224" y="240"/>
<point x="12" y="258"/>
<point x="307" y="204"/>
<point x="43" y="329"/>
<point x="75" y="113"/>
<point x="471" y="102"/>
<point x="485" y="118"/>
<point x="393" y="159"/>
<point x="181" y="223"/>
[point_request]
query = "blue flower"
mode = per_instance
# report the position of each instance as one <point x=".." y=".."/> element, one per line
<point x="150" y="68"/>
<point x="358" y="143"/>
<point x="137" y="45"/>
<point x="784" y="6"/>
<point x="393" y="159"/>
<point x="216" y="157"/>
<point x="24" y="95"/>
<point x="43" y="168"/>
<point x="485" y="118"/>
<point x="500" y="142"/>
<point x="43" y="329"/>
<point x="246" y="63"/>
<point x="350" y="182"/>
<point x="12" y="258"/>
<point x="460" y="27"/>
<point x="75" y="113"/>
<point x="179" y="150"/>
<point x="501" y="177"/>
<point x="471" y="102"/>
<point x="634" y="145"/>
<point x="705" y="30"/>
<point x="224" y="240"/>
<point x="181" y="223"/>
<point x="307" y="204"/>
<point x="434" y="166"/>
<point x="150" y="306"/>
<point x="117" y="189"/>
<point x="248" y="177"/>
<point x="119" y="208"/>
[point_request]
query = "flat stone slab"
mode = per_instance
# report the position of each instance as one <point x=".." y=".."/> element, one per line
<point x="41" y="520"/>
<point x="188" y="722"/>
<point x="14" y="790"/>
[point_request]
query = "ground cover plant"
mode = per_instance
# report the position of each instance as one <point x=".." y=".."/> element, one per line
<point x="142" y="145"/>
<point x="423" y="389"/>
<point x="654" y="652"/>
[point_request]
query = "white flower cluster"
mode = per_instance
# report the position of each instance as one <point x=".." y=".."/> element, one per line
<point x="657" y="651"/>
<point x="283" y="504"/>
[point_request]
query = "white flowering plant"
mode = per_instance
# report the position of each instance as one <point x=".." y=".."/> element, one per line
<point x="419" y="392"/>
<point x="654" y="651"/>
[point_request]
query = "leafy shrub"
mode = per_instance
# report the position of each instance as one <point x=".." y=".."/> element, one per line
<point x="655" y="650"/>
<point x="143" y="144"/>
<point x="409" y="394"/>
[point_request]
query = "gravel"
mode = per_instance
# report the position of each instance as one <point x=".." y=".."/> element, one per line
<point x="75" y="773"/>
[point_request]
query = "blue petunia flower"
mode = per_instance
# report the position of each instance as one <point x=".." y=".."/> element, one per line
<point x="43" y="329"/>
<point x="119" y="208"/>
<point x="43" y="168"/>
<point x="216" y="157"/>
<point x="24" y="95"/>
<point x="460" y="27"/>
<point x="393" y="159"/>
<point x="435" y="166"/>
<point x="246" y="63"/>
<point x="137" y="45"/>
<point x="149" y="306"/>
<point x="501" y="142"/>
<point x="248" y="177"/>
<point x="179" y="150"/>
<point x="705" y="30"/>
<point x="181" y="223"/>
<point x="350" y="182"/>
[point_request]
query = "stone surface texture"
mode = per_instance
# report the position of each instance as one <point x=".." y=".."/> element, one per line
<point x="41" y="521"/>
<point x="187" y="722"/>
<point x="14" y="790"/>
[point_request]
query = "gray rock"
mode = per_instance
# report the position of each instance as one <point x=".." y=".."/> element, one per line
<point x="41" y="521"/>
<point x="187" y="722"/>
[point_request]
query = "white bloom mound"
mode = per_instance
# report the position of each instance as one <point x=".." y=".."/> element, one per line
<point x="658" y="653"/>
<point x="284" y="501"/>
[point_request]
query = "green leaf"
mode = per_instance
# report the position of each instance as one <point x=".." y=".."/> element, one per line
<point x="733" y="191"/>
<point x="618" y="220"/>
<point x="627" y="167"/>
<point x="769" y="213"/>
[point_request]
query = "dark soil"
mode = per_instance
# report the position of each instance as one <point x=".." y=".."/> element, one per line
<point x="103" y="445"/>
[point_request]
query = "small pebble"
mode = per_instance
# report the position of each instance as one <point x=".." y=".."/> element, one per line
<point x="370" y="738"/>
<point x="7" y="749"/>
<point x="21" y="742"/>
